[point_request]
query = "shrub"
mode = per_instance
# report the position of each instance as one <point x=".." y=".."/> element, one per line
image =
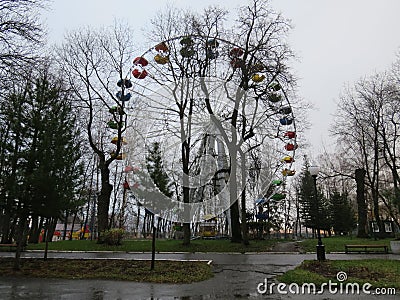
<point x="113" y="237"/>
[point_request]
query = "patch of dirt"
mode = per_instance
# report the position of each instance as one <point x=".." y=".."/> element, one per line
<point x="286" y="247"/>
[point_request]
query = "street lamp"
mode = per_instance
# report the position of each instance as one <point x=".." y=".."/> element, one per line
<point x="314" y="170"/>
<point x="153" y="243"/>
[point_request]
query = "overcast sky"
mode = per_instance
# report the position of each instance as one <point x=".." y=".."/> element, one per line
<point x="337" y="41"/>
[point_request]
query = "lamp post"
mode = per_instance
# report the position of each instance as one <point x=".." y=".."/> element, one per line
<point x="153" y="243"/>
<point x="314" y="170"/>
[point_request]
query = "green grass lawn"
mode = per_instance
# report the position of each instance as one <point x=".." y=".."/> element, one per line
<point x="337" y="243"/>
<point x="110" y="269"/>
<point x="378" y="272"/>
<point x="161" y="246"/>
<point x="332" y="244"/>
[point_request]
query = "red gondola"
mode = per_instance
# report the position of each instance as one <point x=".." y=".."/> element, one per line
<point x="236" y="52"/>
<point x="128" y="169"/>
<point x="139" y="74"/>
<point x="290" y="134"/>
<point x="126" y="185"/>
<point x="161" y="47"/>
<point x="140" y="61"/>
<point x="291" y="147"/>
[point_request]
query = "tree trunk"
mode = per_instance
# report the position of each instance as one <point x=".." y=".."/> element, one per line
<point x="235" y="216"/>
<point x="6" y="228"/>
<point x="375" y="200"/>
<point x="85" y="223"/>
<point x="65" y="225"/>
<point x="361" y="204"/>
<point x="35" y="230"/>
<point x="103" y="204"/>
<point x="245" y="238"/>
<point x="185" y="152"/>
<point x="186" y="226"/>
<point x="113" y="221"/>
<point x="20" y="239"/>
<point x="51" y="228"/>
<point x="13" y="229"/>
<point x="144" y="224"/>
<point x="72" y="226"/>
<point x="122" y="212"/>
<point x="235" y="223"/>
<point x="138" y="220"/>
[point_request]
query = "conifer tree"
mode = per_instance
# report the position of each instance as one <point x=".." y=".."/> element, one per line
<point x="40" y="154"/>
<point x="156" y="170"/>
<point x="342" y="213"/>
<point x="314" y="213"/>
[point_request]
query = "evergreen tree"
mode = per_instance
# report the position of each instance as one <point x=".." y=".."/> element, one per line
<point x="315" y="212"/>
<point x="342" y="213"/>
<point x="52" y="169"/>
<point x="156" y="170"/>
<point x="40" y="154"/>
<point x="307" y="200"/>
<point x="12" y="134"/>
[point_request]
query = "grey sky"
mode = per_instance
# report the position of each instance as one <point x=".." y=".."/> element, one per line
<point x="337" y="41"/>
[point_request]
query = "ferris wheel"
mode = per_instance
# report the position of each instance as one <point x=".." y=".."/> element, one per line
<point x="188" y="89"/>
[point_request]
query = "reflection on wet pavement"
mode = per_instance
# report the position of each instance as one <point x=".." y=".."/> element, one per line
<point x="236" y="277"/>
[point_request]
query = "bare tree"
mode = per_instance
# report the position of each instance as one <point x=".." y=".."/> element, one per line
<point x="367" y="128"/>
<point x="95" y="63"/>
<point x="248" y="60"/>
<point x="259" y="65"/>
<point x="21" y="32"/>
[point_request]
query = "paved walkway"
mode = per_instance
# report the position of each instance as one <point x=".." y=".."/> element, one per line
<point x="237" y="276"/>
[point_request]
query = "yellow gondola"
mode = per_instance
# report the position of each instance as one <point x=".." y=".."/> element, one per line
<point x="258" y="78"/>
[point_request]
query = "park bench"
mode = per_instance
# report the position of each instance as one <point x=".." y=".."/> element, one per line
<point x="364" y="248"/>
<point x="10" y="246"/>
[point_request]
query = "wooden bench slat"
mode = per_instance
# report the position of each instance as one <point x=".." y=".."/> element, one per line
<point x="365" y="247"/>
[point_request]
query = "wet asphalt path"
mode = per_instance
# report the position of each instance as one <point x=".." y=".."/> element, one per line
<point x="236" y="277"/>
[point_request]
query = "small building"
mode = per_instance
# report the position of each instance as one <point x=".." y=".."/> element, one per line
<point x="208" y="228"/>
<point x="388" y="227"/>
